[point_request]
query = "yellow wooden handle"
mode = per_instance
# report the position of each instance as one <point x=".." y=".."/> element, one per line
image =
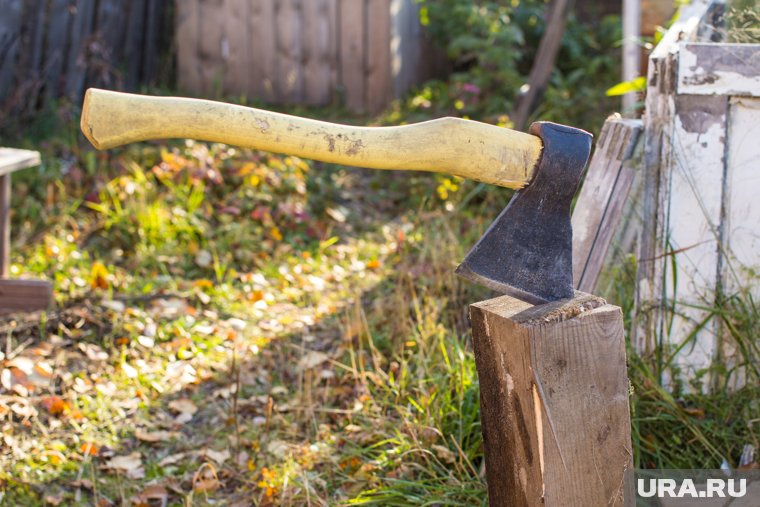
<point x="465" y="148"/>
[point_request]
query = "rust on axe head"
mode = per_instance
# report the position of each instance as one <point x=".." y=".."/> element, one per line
<point x="527" y="250"/>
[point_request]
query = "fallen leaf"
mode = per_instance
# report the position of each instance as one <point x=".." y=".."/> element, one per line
<point x="218" y="456"/>
<point x="444" y="453"/>
<point x="183" y="418"/>
<point x="54" y="500"/>
<point x="311" y="360"/>
<point x="55" y="405"/>
<point x="203" y="283"/>
<point x="152" y="492"/>
<point x="99" y="276"/>
<point x="205" y="479"/>
<point x="131" y="465"/>
<point x="155" y="436"/>
<point x="183" y="406"/>
<point x="88" y="449"/>
<point x="172" y="459"/>
<point x="83" y="483"/>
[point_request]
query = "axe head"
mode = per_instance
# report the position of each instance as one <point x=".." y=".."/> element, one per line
<point x="527" y="252"/>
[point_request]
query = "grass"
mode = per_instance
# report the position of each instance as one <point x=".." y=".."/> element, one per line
<point x="237" y="328"/>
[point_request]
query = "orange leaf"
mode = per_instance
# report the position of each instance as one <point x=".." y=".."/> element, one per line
<point x="54" y="404"/>
<point x="203" y="284"/>
<point x="99" y="276"/>
<point x="88" y="449"/>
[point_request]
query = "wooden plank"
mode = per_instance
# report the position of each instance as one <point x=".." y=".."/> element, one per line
<point x="12" y="159"/>
<point x="742" y="185"/>
<point x="58" y="19"/>
<point x="5" y="224"/>
<point x="554" y="401"/>
<point x="25" y="295"/>
<point x="10" y="42"/>
<point x="237" y="77"/>
<point x="289" y="21"/>
<point x="211" y="46"/>
<point x="692" y="227"/>
<point x="378" y="80"/>
<point x="352" y="61"/>
<point x="719" y="69"/>
<point x="151" y="49"/>
<point x="134" y="43"/>
<point x="263" y="64"/>
<point x="112" y="31"/>
<point x="27" y="67"/>
<point x="319" y="51"/>
<point x="79" y="37"/>
<point x="599" y="206"/>
<point x="187" y="21"/>
<point x="658" y="143"/>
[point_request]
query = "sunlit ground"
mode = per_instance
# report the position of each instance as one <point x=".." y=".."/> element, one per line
<point x="235" y="328"/>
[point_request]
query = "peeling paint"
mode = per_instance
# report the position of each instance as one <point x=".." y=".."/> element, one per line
<point x="715" y="69"/>
<point x="697" y="115"/>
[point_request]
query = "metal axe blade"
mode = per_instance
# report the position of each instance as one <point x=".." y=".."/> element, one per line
<point x="527" y="250"/>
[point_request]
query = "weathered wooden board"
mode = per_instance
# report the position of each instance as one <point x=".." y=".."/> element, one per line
<point x="290" y="22"/>
<point x="10" y="36"/>
<point x="379" y="85"/>
<point x="57" y="34"/>
<point x="723" y="69"/>
<point x="599" y="206"/>
<point x="263" y="62"/>
<point x="187" y="23"/>
<point x="111" y="26"/>
<point x="554" y="401"/>
<point x="16" y="295"/>
<point x="700" y="193"/>
<point x="211" y="46"/>
<point x="319" y="51"/>
<point x="693" y="232"/>
<point x="76" y="73"/>
<point x="238" y="43"/>
<point x="658" y="159"/>
<point x="133" y="44"/>
<point x="12" y="159"/>
<point x="742" y="224"/>
<point x="352" y="49"/>
<point x="24" y="295"/>
<point x="302" y="51"/>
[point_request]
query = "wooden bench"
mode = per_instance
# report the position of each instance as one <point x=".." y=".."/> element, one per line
<point x="16" y="295"/>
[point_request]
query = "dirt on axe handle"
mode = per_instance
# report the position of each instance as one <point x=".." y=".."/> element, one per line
<point x="527" y="251"/>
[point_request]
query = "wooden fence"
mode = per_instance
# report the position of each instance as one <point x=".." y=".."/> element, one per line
<point x="302" y="51"/>
<point x="55" y="48"/>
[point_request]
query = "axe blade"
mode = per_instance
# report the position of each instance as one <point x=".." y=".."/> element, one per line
<point x="527" y="251"/>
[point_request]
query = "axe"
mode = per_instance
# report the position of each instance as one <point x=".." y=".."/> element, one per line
<point x="527" y="250"/>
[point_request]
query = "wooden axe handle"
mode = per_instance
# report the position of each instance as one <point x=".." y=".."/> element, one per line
<point x="465" y="148"/>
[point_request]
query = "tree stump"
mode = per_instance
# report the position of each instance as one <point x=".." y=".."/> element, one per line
<point x="554" y="401"/>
